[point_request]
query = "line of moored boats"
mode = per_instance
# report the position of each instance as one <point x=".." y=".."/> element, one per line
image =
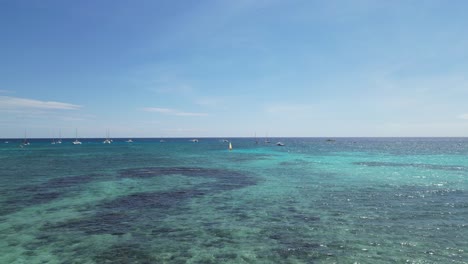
<point x="107" y="140"/>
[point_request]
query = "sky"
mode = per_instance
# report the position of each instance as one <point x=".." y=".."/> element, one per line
<point x="292" y="68"/>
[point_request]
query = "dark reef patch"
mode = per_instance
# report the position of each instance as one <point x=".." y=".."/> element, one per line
<point x="36" y="194"/>
<point x="151" y="201"/>
<point x="166" y="171"/>
<point x="124" y="254"/>
<point x="126" y="214"/>
<point x="225" y="180"/>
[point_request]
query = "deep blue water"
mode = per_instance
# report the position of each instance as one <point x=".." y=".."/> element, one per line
<point x="352" y="200"/>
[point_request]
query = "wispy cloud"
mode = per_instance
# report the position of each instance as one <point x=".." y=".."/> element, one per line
<point x="463" y="116"/>
<point x="170" y="111"/>
<point x="16" y="103"/>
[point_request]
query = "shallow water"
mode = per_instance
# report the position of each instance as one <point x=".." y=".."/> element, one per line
<point x="362" y="200"/>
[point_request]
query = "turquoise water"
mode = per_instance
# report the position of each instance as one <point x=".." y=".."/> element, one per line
<point x="353" y="200"/>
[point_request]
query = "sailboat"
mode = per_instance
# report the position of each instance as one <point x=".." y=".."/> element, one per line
<point x="129" y="140"/>
<point x="59" y="141"/>
<point x="230" y="146"/>
<point x="25" y="141"/>
<point x="107" y="141"/>
<point x="76" y="142"/>
<point x="53" y="140"/>
<point x="255" y="136"/>
<point x="266" y="139"/>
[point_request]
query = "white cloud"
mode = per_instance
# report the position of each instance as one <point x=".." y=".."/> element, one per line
<point x="463" y="116"/>
<point x="169" y="111"/>
<point x="16" y="103"/>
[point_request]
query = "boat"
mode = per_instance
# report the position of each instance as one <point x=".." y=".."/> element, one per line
<point x="230" y="146"/>
<point x="6" y="142"/>
<point x="225" y="140"/>
<point x="129" y="140"/>
<point x="194" y="140"/>
<point x="25" y="141"/>
<point x="255" y="136"/>
<point x="330" y="140"/>
<point x="76" y="142"/>
<point x="280" y="144"/>
<point x="107" y="141"/>
<point x="266" y="139"/>
<point x="59" y="141"/>
<point x="162" y="140"/>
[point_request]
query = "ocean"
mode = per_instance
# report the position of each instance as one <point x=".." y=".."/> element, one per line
<point x="347" y="200"/>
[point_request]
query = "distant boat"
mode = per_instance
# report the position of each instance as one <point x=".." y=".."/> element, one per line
<point x="225" y="140"/>
<point x="129" y="141"/>
<point x="76" y="142"/>
<point x="107" y="141"/>
<point x="330" y="140"/>
<point x="53" y="141"/>
<point x="280" y="144"/>
<point x="162" y="140"/>
<point x="255" y="136"/>
<point x="230" y="146"/>
<point x="266" y="139"/>
<point x="194" y="140"/>
<point x="25" y="141"/>
<point x="6" y="142"/>
<point x="59" y="141"/>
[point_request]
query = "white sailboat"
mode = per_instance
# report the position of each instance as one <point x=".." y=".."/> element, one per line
<point x="107" y="141"/>
<point x="129" y="140"/>
<point x="230" y="146"/>
<point x="25" y="141"/>
<point x="76" y="142"/>
<point x="59" y="141"/>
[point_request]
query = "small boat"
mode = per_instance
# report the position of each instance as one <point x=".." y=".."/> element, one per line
<point x="280" y="144"/>
<point x="330" y="140"/>
<point x="59" y="140"/>
<point x="76" y="142"/>
<point x="6" y="142"/>
<point x="107" y="141"/>
<point x="25" y="141"/>
<point x="129" y="141"/>
<point x="225" y="140"/>
<point x="162" y="140"/>
<point x="194" y="140"/>
<point x="230" y="146"/>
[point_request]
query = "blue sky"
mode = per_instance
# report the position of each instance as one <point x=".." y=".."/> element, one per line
<point x="233" y="68"/>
